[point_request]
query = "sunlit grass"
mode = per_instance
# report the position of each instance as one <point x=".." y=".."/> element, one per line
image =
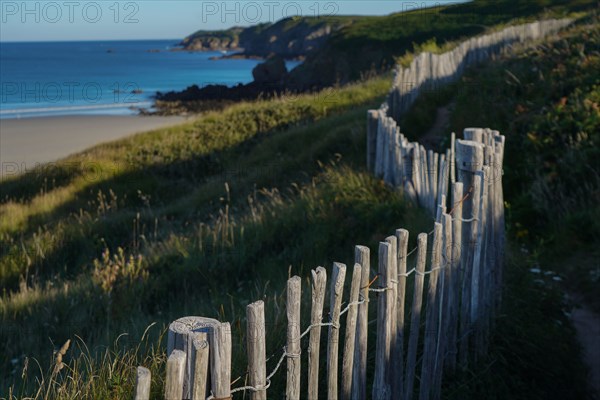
<point x="197" y="219"/>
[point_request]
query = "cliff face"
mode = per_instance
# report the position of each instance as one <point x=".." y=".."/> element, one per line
<point x="217" y="40"/>
<point x="341" y="49"/>
<point x="288" y="38"/>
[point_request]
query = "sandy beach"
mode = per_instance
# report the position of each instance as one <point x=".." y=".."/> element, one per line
<point x="30" y="141"/>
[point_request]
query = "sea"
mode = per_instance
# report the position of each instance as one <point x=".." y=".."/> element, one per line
<point x="105" y="77"/>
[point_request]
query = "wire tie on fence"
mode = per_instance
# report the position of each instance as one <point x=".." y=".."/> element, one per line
<point x="362" y="297"/>
<point x="381" y="289"/>
<point x="292" y="355"/>
<point x="472" y="219"/>
<point x="251" y="388"/>
<point x="307" y="331"/>
<point x="412" y="251"/>
<point x="352" y="303"/>
<point x="281" y="358"/>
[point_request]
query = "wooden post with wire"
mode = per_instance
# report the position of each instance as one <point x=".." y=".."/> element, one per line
<point x="257" y="364"/>
<point x="319" y="282"/>
<point x="411" y="358"/>
<point x="350" y="338"/>
<point x="381" y="384"/>
<point x="431" y="316"/>
<point x="335" y="303"/>
<point x="293" y="338"/>
<point x="359" y="372"/>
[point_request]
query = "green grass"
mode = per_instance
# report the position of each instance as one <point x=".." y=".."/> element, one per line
<point x="203" y="218"/>
<point x="546" y="101"/>
<point x="533" y="352"/>
<point x="199" y="219"/>
<point x="374" y="43"/>
<point x="360" y="45"/>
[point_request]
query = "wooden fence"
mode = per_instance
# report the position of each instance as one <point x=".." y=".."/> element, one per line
<point x="428" y="71"/>
<point x="455" y="272"/>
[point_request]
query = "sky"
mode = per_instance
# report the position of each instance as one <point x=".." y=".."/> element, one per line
<point x="61" y="20"/>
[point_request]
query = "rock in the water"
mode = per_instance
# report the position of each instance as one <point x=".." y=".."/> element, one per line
<point x="273" y="70"/>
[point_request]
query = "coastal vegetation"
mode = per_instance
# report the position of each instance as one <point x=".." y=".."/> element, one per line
<point x="101" y="250"/>
<point x="337" y="50"/>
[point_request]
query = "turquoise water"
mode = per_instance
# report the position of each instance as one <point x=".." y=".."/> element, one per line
<point x="104" y="77"/>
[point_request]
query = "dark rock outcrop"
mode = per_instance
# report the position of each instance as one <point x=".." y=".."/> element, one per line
<point x="272" y="72"/>
<point x="269" y="80"/>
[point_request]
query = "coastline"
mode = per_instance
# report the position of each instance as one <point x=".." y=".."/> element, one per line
<point x="28" y="142"/>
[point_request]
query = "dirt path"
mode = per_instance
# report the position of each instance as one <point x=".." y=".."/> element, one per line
<point x="587" y="325"/>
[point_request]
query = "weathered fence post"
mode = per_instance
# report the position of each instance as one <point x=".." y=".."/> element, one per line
<point x="257" y="368"/>
<point x="220" y="346"/>
<point x="425" y="178"/>
<point x="457" y="272"/>
<point x="350" y="340"/>
<point x="479" y="265"/>
<point x="442" y="189"/>
<point x="381" y="385"/>
<point x="431" y="317"/>
<point x="319" y="281"/>
<point x="392" y="303"/>
<point x="398" y="354"/>
<point x="487" y="292"/>
<point x="335" y="304"/>
<point x="142" y="384"/>
<point x="416" y="172"/>
<point x="434" y="182"/>
<point x="471" y="282"/>
<point x="293" y="339"/>
<point x="175" y="375"/>
<point x="181" y="336"/>
<point x="201" y="356"/>
<point x="413" y="340"/>
<point x="372" y="121"/>
<point x="453" y="158"/>
<point x="446" y="305"/>
<point x="469" y="156"/>
<point x="499" y="218"/>
<point x="359" y="381"/>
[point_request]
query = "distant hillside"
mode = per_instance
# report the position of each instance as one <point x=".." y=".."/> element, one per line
<point x="375" y="43"/>
<point x="108" y="246"/>
<point x="214" y="40"/>
<point x="343" y="48"/>
<point x="289" y="38"/>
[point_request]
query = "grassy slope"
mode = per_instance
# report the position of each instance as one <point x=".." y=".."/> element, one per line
<point x="161" y="196"/>
<point x="546" y="101"/>
<point x="368" y="43"/>
<point x="295" y="198"/>
<point x="375" y="42"/>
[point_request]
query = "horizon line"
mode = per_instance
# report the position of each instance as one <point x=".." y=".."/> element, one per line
<point x="86" y="40"/>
